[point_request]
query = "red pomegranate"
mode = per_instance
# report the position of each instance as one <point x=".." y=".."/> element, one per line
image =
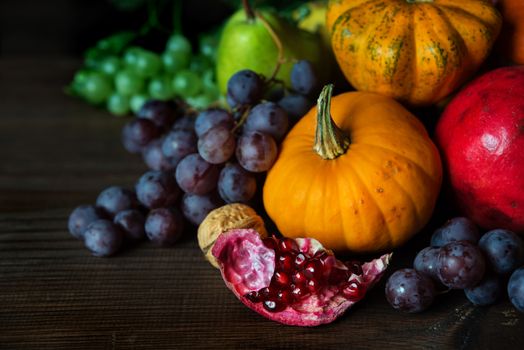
<point x="481" y="136"/>
<point x="292" y="281"/>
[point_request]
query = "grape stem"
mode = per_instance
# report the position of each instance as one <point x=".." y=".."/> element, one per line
<point x="177" y="17"/>
<point x="241" y="120"/>
<point x="280" y="59"/>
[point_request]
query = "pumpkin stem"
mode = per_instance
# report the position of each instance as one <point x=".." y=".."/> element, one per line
<point x="330" y="140"/>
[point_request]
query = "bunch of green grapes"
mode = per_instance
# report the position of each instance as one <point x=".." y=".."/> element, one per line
<point x="122" y="77"/>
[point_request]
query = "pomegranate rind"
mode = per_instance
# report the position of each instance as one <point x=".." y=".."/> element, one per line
<point x="247" y="265"/>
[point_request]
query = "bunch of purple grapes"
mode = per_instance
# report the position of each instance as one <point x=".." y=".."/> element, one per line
<point x="197" y="163"/>
<point x="460" y="258"/>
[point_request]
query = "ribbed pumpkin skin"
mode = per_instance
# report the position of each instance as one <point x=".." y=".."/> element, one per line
<point x="512" y="36"/>
<point x="372" y="198"/>
<point x="416" y="52"/>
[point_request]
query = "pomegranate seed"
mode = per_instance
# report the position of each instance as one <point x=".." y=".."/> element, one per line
<point x="321" y="255"/>
<point x="252" y="297"/>
<point x="300" y="260"/>
<point x="354" y="267"/>
<point x="285" y="262"/>
<point x="288" y="245"/>
<point x="338" y="276"/>
<point x="273" y="305"/>
<point x="264" y="293"/>
<point x="352" y="290"/>
<point x="313" y="269"/>
<point x="299" y="278"/>
<point x="313" y="285"/>
<point x="299" y="292"/>
<point x="270" y="243"/>
<point x="281" y="278"/>
<point x="285" y="297"/>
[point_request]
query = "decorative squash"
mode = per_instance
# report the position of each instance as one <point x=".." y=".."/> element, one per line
<point x="512" y="37"/>
<point x="416" y="51"/>
<point x="367" y="185"/>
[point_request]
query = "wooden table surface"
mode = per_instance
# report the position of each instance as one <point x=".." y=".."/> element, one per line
<point x="57" y="152"/>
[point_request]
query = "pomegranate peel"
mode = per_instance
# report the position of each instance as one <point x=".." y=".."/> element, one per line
<point x="249" y="264"/>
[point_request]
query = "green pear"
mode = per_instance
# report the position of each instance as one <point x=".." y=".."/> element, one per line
<point x="246" y="43"/>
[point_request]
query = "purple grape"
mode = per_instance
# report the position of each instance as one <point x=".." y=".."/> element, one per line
<point x="195" y="175"/>
<point x="217" y="145"/>
<point x="81" y="217"/>
<point x="157" y="189"/>
<point x="295" y="105"/>
<point x="275" y="94"/>
<point x="196" y="207"/>
<point x="426" y="262"/>
<point x="114" y="199"/>
<point x="186" y="122"/>
<point x="504" y="250"/>
<point x="245" y="87"/>
<point x="213" y="117"/>
<point x="161" y="113"/>
<point x="131" y="222"/>
<point x="164" y="226"/>
<point x="256" y="151"/>
<point x="103" y="238"/>
<point x="460" y="265"/>
<point x="516" y="289"/>
<point x="138" y="133"/>
<point x="486" y="292"/>
<point x="410" y="291"/>
<point x="236" y="185"/>
<point x="155" y="159"/>
<point x="303" y="77"/>
<point x="268" y="117"/>
<point x="178" y="144"/>
<point x="231" y="102"/>
<point x="456" y="229"/>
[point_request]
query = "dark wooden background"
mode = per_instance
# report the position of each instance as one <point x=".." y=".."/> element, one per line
<point x="57" y="152"/>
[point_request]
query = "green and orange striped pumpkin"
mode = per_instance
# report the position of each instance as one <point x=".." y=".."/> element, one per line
<point x="416" y="51"/>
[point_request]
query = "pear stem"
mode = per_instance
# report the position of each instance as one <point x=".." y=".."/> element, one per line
<point x="330" y="141"/>
<point x="250" y="14"/>
<point x="278" y="43"/>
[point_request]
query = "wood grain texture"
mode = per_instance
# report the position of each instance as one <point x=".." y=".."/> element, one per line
<point x="56" y="153"/>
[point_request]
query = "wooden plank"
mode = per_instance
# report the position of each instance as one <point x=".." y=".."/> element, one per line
<point x="57" y="152"/>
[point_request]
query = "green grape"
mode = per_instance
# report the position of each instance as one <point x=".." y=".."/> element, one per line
<point x="130" y="55"/>
<point x="179" y="43"/>
<point x="109" y="65"/>
<point x="93" y="56"/>
<point x="175" y="61"/>
<point x="208" y="46"/>
<point x="137" y="101"/>
<point x="118" y="104"/>
<point x="200" y="101"/>
<point x="147" y="64"/>
<point x="96" y="88"/>
<point x="212" y="91"/>
<point x="160" y="88"/>
<point x="200" y="64"/>
<point x="186" y="84"/>
<point x="80" y="77"/>
<point x="208" y="78"/>
<point x="128" y="83"/>
<point x="115" y="43"/>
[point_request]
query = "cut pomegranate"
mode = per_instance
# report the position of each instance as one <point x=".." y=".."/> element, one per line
<point x="292" y="281"/>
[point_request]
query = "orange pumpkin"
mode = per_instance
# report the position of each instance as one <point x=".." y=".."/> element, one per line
<point x="367" y="185"/>
<point x="512" y="37"/>
<point x="416" y="51"/>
